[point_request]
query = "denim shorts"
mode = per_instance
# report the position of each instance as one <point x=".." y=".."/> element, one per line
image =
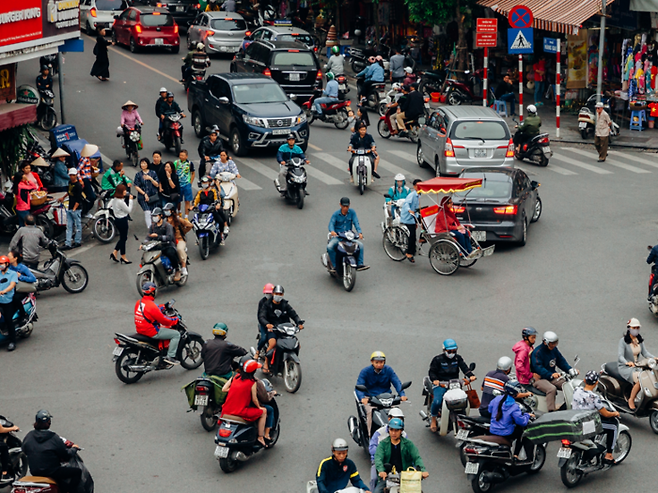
<point x="186" y="192"/>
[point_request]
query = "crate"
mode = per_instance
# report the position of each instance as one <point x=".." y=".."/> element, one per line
<point x="574" y="425"/>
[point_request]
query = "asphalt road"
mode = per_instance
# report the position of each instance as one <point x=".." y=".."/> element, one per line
<point x="582" y="274"/>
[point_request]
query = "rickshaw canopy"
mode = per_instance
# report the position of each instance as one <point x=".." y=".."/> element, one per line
<point x="448" y="185"/>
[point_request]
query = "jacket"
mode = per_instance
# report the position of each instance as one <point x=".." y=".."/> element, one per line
<point x="335" y="65"/>
<point x="120" y="208"/>
<point x="398" y="194"/>
<point x="29" y="240"/>
<point x="285" y="153"/>
<point x="378" y="383"/>
<point x="653" y="255"/>
<point x="131" y="118"/>
<point x="45" y="452"/>
<point x="494" y="380"/>
<point x="413" y="105"/>
<point x="209" y="148"/>
<point x="522" y="352"/>
<point x="624" y="354"/>
<point x="340" y="224"/>
<point x="217" y="355"/>
<point x="408" y="451"/>
<point x="444" y="369"/>
<point x="206" y="197"/>
<point x="411" y="204"/>
<point x="168" y="109"/>
<point x="165" y="232"/>
<point x="512" y="416"/>
<point x="277" y="313"/>
<point x="159" y="106"/>
<point x="60" y="174"/>
<point x="333" y="476"/>
<point x="373" y="72"/>
<point x="545" y="362"/>
<point x="219" y="167"/>
<point x="331" y="91"/>
<point x="23" y="198"/>
<point x="24" y="271"/>
<point x="446" y="221"/>
<point x="377" y="437"/>
<point x="396" y="66"/>
<point x="530" y="126"/>
<point x="149" y="318"/>
<point x="44" y="84"/>
<point x="184" y="227"/>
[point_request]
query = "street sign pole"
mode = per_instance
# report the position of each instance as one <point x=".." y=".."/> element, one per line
<point x="599" y="76"/>
<point x="486" y="77"/>
<point x="521" y="88"/>
<point x="60" y="73"/>
<point x="557" y="91"/>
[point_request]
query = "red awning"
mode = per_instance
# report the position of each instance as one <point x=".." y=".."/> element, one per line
<point x="16" y="114"/>
<point x="448" y="185"/>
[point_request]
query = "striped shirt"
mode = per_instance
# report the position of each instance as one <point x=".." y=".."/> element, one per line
<point x="84" y="168"/>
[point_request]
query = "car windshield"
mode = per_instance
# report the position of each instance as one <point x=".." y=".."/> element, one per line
<point x="304" y="38"/>
<point x="259" y="93"/>
<point x="478" y="130"/>
<point x="296" y="58"/>
<point x="228" y="24"/>
<point x="490" y="189"/>
<point x="156" y="20"/>
<point x="110" y="4"/>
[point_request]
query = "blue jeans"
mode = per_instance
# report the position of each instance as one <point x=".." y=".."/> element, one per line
<point x="539" y="91"/>
<point x="73" y="221"/>
<point x="269" y="420"/>
<point x="174" y="338"/>
<point x="21" y="217"/>
<point x="320" y="101"/>
<point x="263" y="336"/>
<point x="331" y="250"/>
<point x="510" y="97"/>
<point x="438" y="392"/>
<point x="464" y="241"/>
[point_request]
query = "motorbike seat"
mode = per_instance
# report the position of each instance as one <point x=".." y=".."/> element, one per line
<point x="480" y="419"/>
<point x="534" y="390"/>
<point x="35" y="479"/>
<point x="237" y="419"/>
<point x="612" y="370"/>
<point x="143" y="338"/>
<point x="496" y="439"/>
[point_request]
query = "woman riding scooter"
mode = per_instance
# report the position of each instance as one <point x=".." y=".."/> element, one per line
<point x="507" y="419"/>
<point x="631" y="347"/>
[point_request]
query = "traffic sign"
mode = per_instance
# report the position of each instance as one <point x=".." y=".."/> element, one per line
<point x="519" y="41"/>
<point x="486" y="40"/>
<point x="487" y="25"/>
<point x="520" y="17"/>
<point x="550" y="45"/>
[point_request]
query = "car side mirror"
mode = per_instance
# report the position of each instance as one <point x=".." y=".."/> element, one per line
<point x="535" y="184"/>
<point x="115" y="16"/>
<point x="224" y="100"/>
<point x="422" y="121"/>
<point x="362" y="388"/>
<point x="471" y="367"/>
<point x="405" y="385"/>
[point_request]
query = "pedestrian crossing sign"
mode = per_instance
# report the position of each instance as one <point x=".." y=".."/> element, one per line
<point x="520" y="41"/>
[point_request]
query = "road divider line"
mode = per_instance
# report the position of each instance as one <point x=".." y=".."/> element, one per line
<point x="404" y="155"/>
<point x="573" y="162"/>
<point x="625" y="166"/>
<point x="333" y="160"/>
<point x="314" y="147"/>
<point x="323" y="177"/>
<point x="259" y="168"/>
<point x="635" y="157"/>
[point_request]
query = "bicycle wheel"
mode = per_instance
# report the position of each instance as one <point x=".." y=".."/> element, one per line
<point x="444" y="257"/>
<point x="395" y="241"/>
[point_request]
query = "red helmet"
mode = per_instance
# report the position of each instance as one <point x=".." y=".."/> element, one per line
<point x="267" y="289"/>
<point x="251" y="366"/>
<point x="4" y="259"/>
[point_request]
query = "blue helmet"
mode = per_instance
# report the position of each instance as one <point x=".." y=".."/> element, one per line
<point x="449" y="344"/>
<point x="396" y="424"/>
<point x="512" y="388"/>
<point x="149" y="289"/>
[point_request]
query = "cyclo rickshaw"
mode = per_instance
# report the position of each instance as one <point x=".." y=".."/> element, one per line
<point x="445" y="253"/>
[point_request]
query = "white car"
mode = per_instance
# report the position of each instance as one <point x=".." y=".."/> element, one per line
<point x="96" y="14"/>
<point x="220" y="32"/>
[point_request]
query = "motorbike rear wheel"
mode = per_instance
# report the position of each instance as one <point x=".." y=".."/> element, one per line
<point x="569" y="473"/>
<point x="134" y="158"/>
<point x="46" y="225"/>
<point x="228" y="465"/>
<point x="204" y="247"/>
<point x="653" y="421"/>
<point x="343" y="121"/>
<point x="21" y="469"/>
<point x="48" y="120"/>
<point x="143" y="278"/>
<point x="128" y="357"/>
<point x="208" y="419"/>
<point x="310" y="115"/>
<point x="190" y="354"/>
<point x="104" y="229"/>
<point x="358" y="65"/>
<point x="583" y="133"/>
<point x="394" y="242"/>
<point x="75" y="278"/>
<point x="349" y="277"/>
<point x="382" y="109"/>
<point x="382" y="128"/>
<point x="292" y="376"/>
<point x="540" y="459"/>
<point x="478" y="484"/>
<point x="622" y="447"/>
<point x="454" y="98"/>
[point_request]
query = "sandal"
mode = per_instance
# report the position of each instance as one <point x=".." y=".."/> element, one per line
<point x="261" y="440"/>
<point x="266" y="371"/>
<point x="411" y="259"/>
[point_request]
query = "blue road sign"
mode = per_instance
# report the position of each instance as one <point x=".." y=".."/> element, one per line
<point x="519" y="41"/>
<point x="550" y="45"/>
<point x="72" y="45"/>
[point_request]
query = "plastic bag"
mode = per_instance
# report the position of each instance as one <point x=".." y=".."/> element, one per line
<point x="410" y="481"/>
<point x="86" y="482"/>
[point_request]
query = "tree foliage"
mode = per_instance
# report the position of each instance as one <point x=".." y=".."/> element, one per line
<point x="431" y="12"/>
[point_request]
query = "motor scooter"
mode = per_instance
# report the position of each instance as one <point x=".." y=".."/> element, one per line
<point x="225" y="182"/>
<point x="156" y="267"/>
<point x="284" y="358"/>
<point x="60" y="270"/>
<point x="103" y="226"/>
<point x="46" y="116"/>
<point x="208" y="233"/>
<point x="413" y="126"/>
<point x="652" y="298"/>
<point x="296" y="180"/>
<point x="347" y="252"/>
<point x="335" y="112"/>
<point x="362" y="166"/>
<point x="131" y="138"/>
<point x="193" y="74"/>
<point x="431" y="81"/>
<point x="537" y="401"/>
<point x="17" y="460"/>
<point x="24" y="318"/>
<point x="172" y="132"/>
<point x="537" y="150"/>
<point x="458" y="92"/>
<point x="587" y="116"/>
<point x="375" y="94"/>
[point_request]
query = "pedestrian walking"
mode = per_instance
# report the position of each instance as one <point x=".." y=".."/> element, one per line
<point x="602" y="132"/>
<point x="539" y="69"/>
<point x="147" y="186"/>
<point x="408" y="218"/>
<point x="121" y="217"/>
<point x="85" y="175"/>
<point x="76" y="197"/>
<point x="101" y="67"/>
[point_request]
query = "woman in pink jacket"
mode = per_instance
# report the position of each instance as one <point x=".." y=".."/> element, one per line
<point x="522" y="350"/>
<point x="130" y="116"/>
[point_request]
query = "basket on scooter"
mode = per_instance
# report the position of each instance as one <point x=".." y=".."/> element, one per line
<point x="574" y="425"/>
<point x="455" y="399"/>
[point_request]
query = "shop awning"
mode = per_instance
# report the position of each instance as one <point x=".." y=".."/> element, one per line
<point x="644" y="5"/>
<point x="16" y="114"/>
<point x="562" y="16"/>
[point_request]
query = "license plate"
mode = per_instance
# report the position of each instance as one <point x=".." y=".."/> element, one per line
<point x="159" y="41"/>
<point x="221" y="452"/>
<point x="280" y="131"/>
<point x="223" y="48"/>
<point x="200" y="400"/>
<point x="564" y="453"/>
<point x="582" y="125"/>
<point x="382" y="95"/>
<point x="294" y="77"/>
<point x="479" y="235"/>
<point x="471" y="468"/>
<point x="547" y="149"/>
<point x="180" y="8"/>
<point x="462" y="434"/>
<point x="117" y="351"/>
<point x="342" y="87"/>
<point x="480" y="153"/>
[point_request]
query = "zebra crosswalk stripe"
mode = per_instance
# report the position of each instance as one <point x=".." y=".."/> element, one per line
<point x="635" y="158"/>
<point x="573" y="162"/>
<point x="612" y="162"/>
<point x="259" y="168"/>
<point x="404" y="155"/>
<point x="323" y="177"/>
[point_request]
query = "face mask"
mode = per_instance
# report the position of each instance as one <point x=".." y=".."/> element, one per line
<point x="635" y="332"/>
<point x="268" y="296"/>
<point x="277" y="298"/>
<point x="167" y="213"/>
<point x="205" y="186"/>
<point x="450" y="355"/>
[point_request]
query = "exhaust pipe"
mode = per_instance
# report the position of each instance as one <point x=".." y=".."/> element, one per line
<point x="241" y="456"/>
<point x="423" y="415"/>
<point x="493" y="477"/>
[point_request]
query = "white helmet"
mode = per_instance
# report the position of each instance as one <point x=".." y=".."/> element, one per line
<point x="633" y="322"/>
<point x="163" y="89"/>
<point x="396" y="86"/>
<point x="504" y="363"/>
<point x="395" y="412"/>
<point x="399" y="177"/>
<point x="532" y="108"/>
<point x="550" y="336"/>
<point x="200" y="46"/>
<point x="339" y="445"/>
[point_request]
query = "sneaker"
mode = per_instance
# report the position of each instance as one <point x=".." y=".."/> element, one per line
<point x="226" y="230"/>
<point x="171" y="361"/>
<point x="65" y="248"/>
<point x="222" y="243"/>
<point x="183" y="271"/>
<point x="11" y="346"/>
<point x="362" y="267"/>
<point x="89" y="215"/>
<point x="77" y="245"/>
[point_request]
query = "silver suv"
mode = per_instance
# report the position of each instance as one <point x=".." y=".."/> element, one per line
<point x="463" y="137"/>
<point x="96" y="14"/>
<point x="221" y="32"/>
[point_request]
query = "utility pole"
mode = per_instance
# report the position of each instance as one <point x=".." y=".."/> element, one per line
<point x="599" y="78"/>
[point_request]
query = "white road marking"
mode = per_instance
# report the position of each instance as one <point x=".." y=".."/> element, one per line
<point x="562" y="171"/>
<point x="393" y="168"/>
<point x="244" y="184"/>
<point x="314" y="147"/>
<point x="333" y="160"/>
<point x="625" y="166"/>
<point x="323" y="177"/>
<point x="404" y="155"/>
<point x="259" y="168"/>
<point x="589" y="167"/>
<point x="633" y="156"/>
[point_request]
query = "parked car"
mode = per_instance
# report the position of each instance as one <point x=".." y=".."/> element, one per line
<point x="97" y="14"/>
<point x="251" y="110"/>
<point x="220" y="32"/>
<point x="463" y="137"/>
<point x="282" y="33"/>
<point x="294" y="66"/>
<point x="503" y="207"/>
<point x="146" y="27"/>
<point x="183" y="11"/>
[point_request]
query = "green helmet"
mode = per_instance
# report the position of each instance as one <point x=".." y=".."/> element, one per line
<point x="220" y="329"/>
<point x="335" y="50"/>
<point x="330" y="76"/>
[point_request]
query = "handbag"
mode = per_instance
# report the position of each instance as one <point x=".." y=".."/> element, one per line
<point x="153" y="199"/>
<point x="410" y="481"/>
<point x="473" y="399"/>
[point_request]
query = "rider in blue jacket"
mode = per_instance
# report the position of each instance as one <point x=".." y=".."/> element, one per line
<point x="343" y="220"/>
<point x="373" y="73"/>
<point x="545" y="361"/>
<point x="285" y="153"/>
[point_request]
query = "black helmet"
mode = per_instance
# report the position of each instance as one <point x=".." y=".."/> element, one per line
<point x="528" y="331"/>
<point x="214" y="130"/>
<point x="43" y="416"/>
<point x="512" y="388"/>
<point x="44" y="67"/>
<point x="170" y="94"/>
<point x="278" y="289"/>
<point x="591" y="377"/>
<point x="290" y="136"/>
<point x="169" y="208"/>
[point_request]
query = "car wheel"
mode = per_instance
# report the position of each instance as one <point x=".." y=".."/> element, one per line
<point x="420" y="157"/>
<point x="524" y="233"/>
<point x="88" y="28"/>
<point x="197" y="122"/>
<point x="537" y="212"/>
<point x="114" y="38"/>
<point x="189" y="42"/>
<point x="304" y="146"/>
<point x="133" y="46"/>
<point x="237" y="145"/>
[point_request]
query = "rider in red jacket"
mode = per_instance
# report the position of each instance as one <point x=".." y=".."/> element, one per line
<point x="151" y="322"/>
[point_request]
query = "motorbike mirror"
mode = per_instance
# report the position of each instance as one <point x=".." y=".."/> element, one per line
<point x="576" y="360"/>
<point x="421" y="120"/>
<point x="293" y="97"/>
<point x="362" y="388"/>
<point x="252" y="351"/>
<point x="223" y="100"/>
<point x="405" y="385"/>
<point x="388" y="467"/>
<point x="471" y="366"/>
<point x="388" y="196"/>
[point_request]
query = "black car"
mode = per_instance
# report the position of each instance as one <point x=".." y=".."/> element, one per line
<point x="283" y="33"/>
<point x="502" y="208"/>
<point x="294" y="66"/>
<point x="251" y="110"/>
<point x="183" y="11"/>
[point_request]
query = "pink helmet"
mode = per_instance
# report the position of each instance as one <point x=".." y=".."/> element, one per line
<point x="268" y="288"/>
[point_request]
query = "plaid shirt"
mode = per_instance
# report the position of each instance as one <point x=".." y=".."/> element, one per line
<point x="84" y="168"/>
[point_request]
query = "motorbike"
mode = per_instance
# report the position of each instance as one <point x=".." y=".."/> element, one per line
<point x="374" y="95"/>
<point x="362" y="168"/>
<point x="17" y="464"/>
<point x="9" y="219"/>
<point x="202" y="395"/>
<point x="653" y="288"/>
<point x="587" y="116"/>
<point x="40" y="484"/>
<point x="537" y="150"/>
<point x="431" y="81"/>
<point x="343" y="88"/>
<point x="335" y="112"/>
<point x="537" y="401"/>
<point x="131" y="138"/>
<point x="50" y="61"/>
<point x="296" y="180"/>
<point x="382" y="404"/>
<point x="194" y="74"/>
<point x="61" y="270"/>
<point x="455" y="402"/>
<point x="103" y="226"/>
<point x="237" y="440"/>
<point x="156" y="268"/>
<point x="284" y="358"/>
<point x="226" y="184"/>
<point x="172" y="132"/>
<point x="24" y="319"/>
<point x="208" y="233"/>
<point x="46" y="116"/>
<point x="135" y="355"/>
<point x="347" y="252"/>
<point x="617" y="391"/>
<point x="413" y="126"/>
<point x="458" y="92"/>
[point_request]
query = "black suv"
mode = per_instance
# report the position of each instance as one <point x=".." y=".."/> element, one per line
<point x="294" y="66"/>
<point x="284" y="33"/>
<point x="251" y="110"/>
<point x="183" y="11"/>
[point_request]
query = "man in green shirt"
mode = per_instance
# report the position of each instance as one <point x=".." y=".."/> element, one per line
<point x="115" y="176"/>
<point x="529" y="128"/>
<point x="397" y="451"/>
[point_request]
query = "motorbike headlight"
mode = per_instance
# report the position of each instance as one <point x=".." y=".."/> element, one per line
<point x="301" y="118"/>
<point x="651" y="363"/>
<point x="298" y="179"/>
<point x="252" y="120"/>
<point x="134" y="136"/>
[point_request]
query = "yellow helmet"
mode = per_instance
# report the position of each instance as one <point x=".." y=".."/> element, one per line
<point x="378" y="356"/>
